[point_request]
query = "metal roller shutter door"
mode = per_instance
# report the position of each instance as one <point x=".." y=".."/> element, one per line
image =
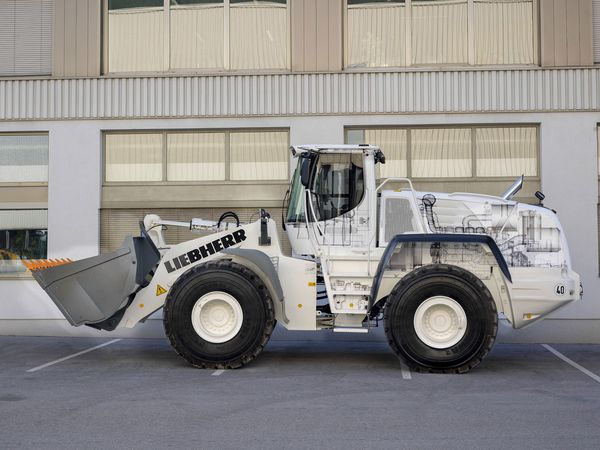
<point x="116" y="224"/>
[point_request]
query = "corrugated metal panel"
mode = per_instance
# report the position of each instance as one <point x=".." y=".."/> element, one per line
<point x="303" y="94"/>
<point x="596" y="31"/>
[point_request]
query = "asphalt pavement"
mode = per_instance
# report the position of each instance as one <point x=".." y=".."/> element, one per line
<point x="305" y="390"/>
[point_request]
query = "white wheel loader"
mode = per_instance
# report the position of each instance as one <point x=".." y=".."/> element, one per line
<point x="436" y="268"/>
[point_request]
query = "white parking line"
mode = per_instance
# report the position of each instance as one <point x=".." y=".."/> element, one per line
<point x="405" y="371"/>
<point x="74" y="355"/>
<point x="216" y="373"/>
<point x="592" y="375"/>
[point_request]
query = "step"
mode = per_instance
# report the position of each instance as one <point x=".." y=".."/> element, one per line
<point x="338" y="292"/>
<point x="350" y="330"/>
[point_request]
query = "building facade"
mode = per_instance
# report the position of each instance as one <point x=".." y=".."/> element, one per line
<point x="110" y="109"/>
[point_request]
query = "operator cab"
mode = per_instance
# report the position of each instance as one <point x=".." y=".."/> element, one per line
<point x="332" y="192"/>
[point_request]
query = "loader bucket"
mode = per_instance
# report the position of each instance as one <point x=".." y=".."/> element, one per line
<point x="93" y="290"/>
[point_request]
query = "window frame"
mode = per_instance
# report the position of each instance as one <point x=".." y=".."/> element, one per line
<point x="473" y="128"/>
<point x="409" y="66"/>
<point x="166" y="132"/>
<point x="27" y="183"/>
<point x="26" y="274"/>
<point x="29" y="189"/>
<point x="167" y="46"/>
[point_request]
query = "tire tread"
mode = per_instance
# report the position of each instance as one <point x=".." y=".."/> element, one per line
<point x="469" y="278"/>
<point x="220" y="265"/>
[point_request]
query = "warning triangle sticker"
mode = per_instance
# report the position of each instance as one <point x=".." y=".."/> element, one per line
<point x="160" y="290"/>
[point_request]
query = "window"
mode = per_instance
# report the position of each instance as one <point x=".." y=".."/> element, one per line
<point x="160" y="35"/>
<point x="506" y="152"/>
<point x="338" y="185"/>
<point x="395" y="143"/>
<point x="258" y="34"/>
<point x="439" y="32"/>
<point x="134" y="157"/>
<point x="24" y="222"/>
<point x="454" y="152"/>
<point x="197" y="34"/>
<point x="136" y="36"/>
<point x="504" y="32"/>
<point x="25" y="37"/>
<point x="401" y="33"/>
<point x="376" y="35"/>
<point x="441" y="153"/>
<point x="295" y="205"/>
<point x="259" y="156"/>
<point x="23" y="158"/>
<point x="23" y="235"/>
<point x="193" y="156"/>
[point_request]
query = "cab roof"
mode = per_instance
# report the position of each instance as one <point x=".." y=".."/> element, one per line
<point x="327" y="148"/>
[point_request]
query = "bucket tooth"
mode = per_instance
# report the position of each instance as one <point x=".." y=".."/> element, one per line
<point x="40" y="264"/>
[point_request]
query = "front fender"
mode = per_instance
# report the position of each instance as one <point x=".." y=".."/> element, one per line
<point x="265" y="265"/>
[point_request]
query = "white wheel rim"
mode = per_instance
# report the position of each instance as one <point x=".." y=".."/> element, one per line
<point x="217" y="317"/>
<point x="440" y="322"/>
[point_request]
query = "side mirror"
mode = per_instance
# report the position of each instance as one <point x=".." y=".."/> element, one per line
<point x="305" y="172"/>
<point x="540" y="196"/>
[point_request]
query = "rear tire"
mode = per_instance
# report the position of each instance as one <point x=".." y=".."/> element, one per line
<point x="441" y="319"/>
<point x="219" y="315"/>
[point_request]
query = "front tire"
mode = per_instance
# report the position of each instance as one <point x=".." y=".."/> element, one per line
<point x="441" y="319"/>
<point x="219" y="315"/>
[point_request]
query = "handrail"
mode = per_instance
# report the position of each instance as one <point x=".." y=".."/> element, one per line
<point x="312" y="210"/>
<point x="314" y="242"/>
<point x="387" y="180"/>
<point x="424" y="228"/>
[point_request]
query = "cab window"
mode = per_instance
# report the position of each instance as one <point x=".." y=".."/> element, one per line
<point x="338" y="184"/>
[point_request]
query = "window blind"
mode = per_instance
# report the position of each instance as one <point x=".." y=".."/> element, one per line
<point x="441" y="152"/>
<point x="506" y="152"/>
<point x="259" y="155"/>
<point x="134" y="157"/>
<point x="195" y="156"/>
<point x="394" y="144"/>
<point x="25" y="37"/>
<point x="23" y="158"/>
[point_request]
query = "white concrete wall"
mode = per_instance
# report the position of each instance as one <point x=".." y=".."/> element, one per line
<point x="568" y="171"/>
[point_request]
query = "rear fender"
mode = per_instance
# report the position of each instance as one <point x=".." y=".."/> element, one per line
<point x="478" y="254"/>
